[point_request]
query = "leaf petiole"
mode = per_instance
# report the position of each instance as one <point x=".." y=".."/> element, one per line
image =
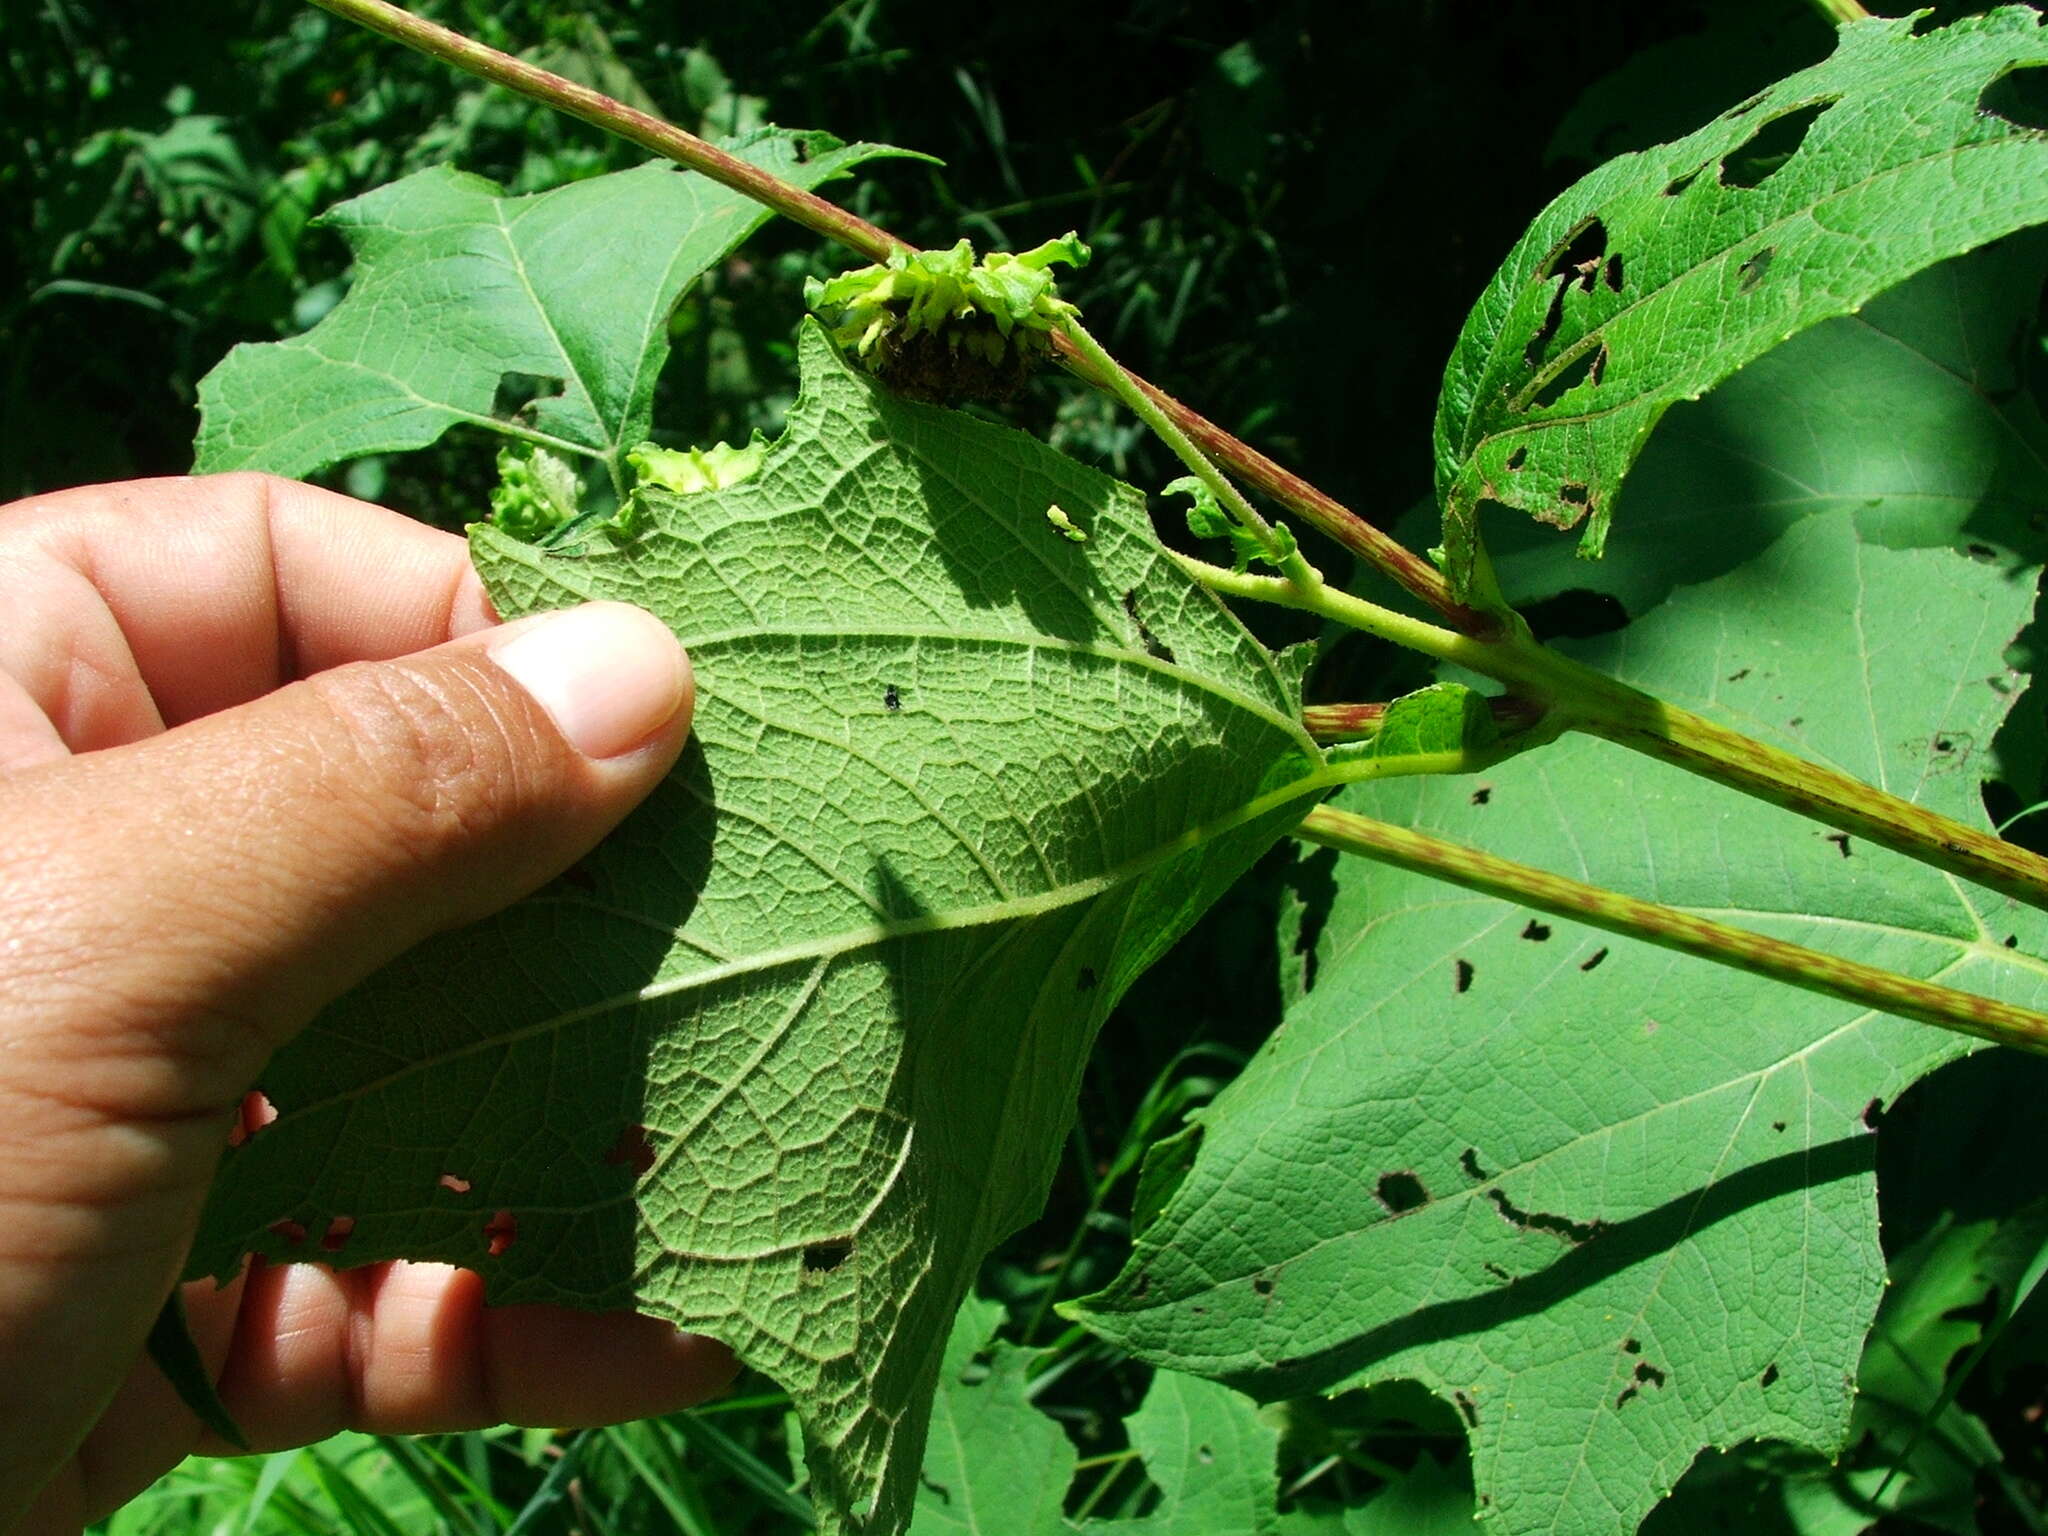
<point x="1670" y="928"/>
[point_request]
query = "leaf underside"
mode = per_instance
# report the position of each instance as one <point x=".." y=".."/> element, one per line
<point x="788" y="1053"/>
<point x="1615" y="1204"/>
<point x="1663" y="272"/>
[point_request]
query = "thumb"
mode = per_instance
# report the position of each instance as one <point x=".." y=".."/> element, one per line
<point x="179" y="907"/>
<point x="172" y="911"/>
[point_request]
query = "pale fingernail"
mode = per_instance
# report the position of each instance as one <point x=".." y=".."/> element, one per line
<point x="609" y="674"/>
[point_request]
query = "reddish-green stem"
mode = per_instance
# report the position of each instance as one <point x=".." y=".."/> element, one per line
<point x="1670" y="928"/>
<point x="1357" y="722"/>
<point x="826" y="218"/>
<point x="615" y="117"/>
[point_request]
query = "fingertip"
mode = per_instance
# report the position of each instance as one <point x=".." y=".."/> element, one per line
<point x="546" y="1365"/>
<point x="611" y="676"/>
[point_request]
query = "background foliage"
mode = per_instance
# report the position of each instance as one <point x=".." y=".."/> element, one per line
<point x="1293" y="205"/>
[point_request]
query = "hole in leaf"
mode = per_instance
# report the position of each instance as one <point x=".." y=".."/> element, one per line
<point x="1463" y="980"/>
<point x="500" y="1232"/>
<point x="338" y="1232"/>
<point x="1204" y="1455"/>
<point x="1468" y="1408"/>
<point x="1151" y="642"/>
<point x="1469" y="1161"/>
<point x="1262" y="1286"/>
<point x="1573" y="1232"/>
<point x="1143" y="1286"/>
<point x="891" y="699"/>
<point x="1612" y="276"/>
<point x="1873" y="1114"/>
<point x="1575" y="494"/>
<point x="2020" y="97"/>
<point x="1738" y="676"/>
<point x="1632" y="1346"/>
<point x="820" y="1257"/>
<point x="1593" y="960"/>
<point x="1498" y="1273"/>
<point x="1586" y="368"/>
<point x="1681" y="183"/>
<point x="1983" y="554"/>
<point x="1087" y="980"/>
<point x="1840" y="840"/>
<point x="256" y="1112"/>
<point x="1482" y="795"/>
<point x="2012" y="941"/>
<point x="1752" y="271"/>
<point x="517" y="392"/>
<point x="1769" y="1376"/>
<point x="1580" y="254"/>
<point x="1517" y="459"/>
<point x="1401" y="1192"/>
<point x="1553" y="317"/>
<point x="1944" y="744"/>
<point x="632" y="1150"/>
<point x="1646" y="1375"/>
<point x="454" y="1185"/>
<point x="1778" y="1125"/>
<point x="1764" y="153"/>
<point x="1536" y="932"/>
<point x="293" y="1232"/>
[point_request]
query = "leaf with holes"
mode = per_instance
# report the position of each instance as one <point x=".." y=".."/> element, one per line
<point x="1909" y="417"/>
<point x="1614" y="1203"/>
<point x="543" y="317"/>
<point x="1663" y="272"/>
<point x="788" y="1053"/>
<point x="999" y="1467"/>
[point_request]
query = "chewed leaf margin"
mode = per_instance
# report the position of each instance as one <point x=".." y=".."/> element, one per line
<point x="1664" y="271"/>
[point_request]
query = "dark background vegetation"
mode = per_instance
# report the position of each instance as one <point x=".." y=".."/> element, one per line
<point x="1292" y="205"/>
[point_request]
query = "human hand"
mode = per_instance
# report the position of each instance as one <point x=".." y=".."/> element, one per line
<point x="257" y="739"/>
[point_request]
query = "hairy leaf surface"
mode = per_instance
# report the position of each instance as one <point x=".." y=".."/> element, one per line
<point x="1614" y="1203"/>
<point x="465" y="300"/>
<point x="1662" y="272"/>
<point x="786" y="1055"/>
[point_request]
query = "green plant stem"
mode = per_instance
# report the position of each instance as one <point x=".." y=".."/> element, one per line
<point x="1589" y="701"/>
<point x="1290" y="562"/>
<point x="1575" y="697"/>
<point x="1354" y="612"/>
<point x="1669" y="928"/>
<point x="1320" y="511"/>
<point x="1839" y="11"/>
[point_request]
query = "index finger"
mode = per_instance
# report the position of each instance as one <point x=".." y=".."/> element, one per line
<point x="136" y="606"/>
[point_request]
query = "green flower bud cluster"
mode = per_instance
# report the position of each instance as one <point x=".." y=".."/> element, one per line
<point x="537" y="492"/>
<point x="942" y="326"/>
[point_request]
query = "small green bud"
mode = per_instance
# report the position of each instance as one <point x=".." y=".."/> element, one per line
<point x="536" y="493"/>
<point x="686" y="471"/>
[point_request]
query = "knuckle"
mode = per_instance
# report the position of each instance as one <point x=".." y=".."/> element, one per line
<point x="429" y="747"/>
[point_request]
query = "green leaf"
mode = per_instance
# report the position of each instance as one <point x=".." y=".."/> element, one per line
<point x="1613" y="1203"/>
<point x="999" y="1467"/>
<point x="1910" y="417"/>
<point x="799" y="1043"/>
<point x="462" y="295"/>
<point x="1663" y="272"/>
